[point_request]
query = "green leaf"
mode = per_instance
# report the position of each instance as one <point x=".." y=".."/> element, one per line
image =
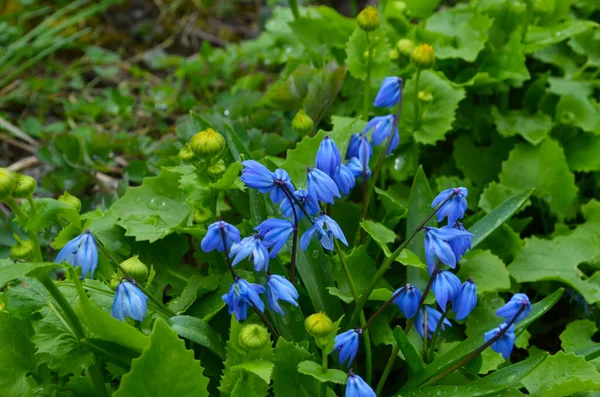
<point x="511" y="375"/>
<point x="322" y="90"/>
<point x="48" y="211"/>
<point x="506" y="62"/>
<point x="315" y="370"/>
<point x="413" y="358"/>
<point x="539" y="37"/>
<point x="578" y="335"/>
<point x="165" y="368"/>
<point x="581" y="111"/>
<point x="421" y="8"/>
<point x="587" y="44"/>
<point x="323" y="22"/>
<point x="10" y="270"/>
<point x="380" y="234"/>
<point x="357" y="54"/>
<point x="534" y="128"/>
<point x="486" y="269"/>
<point x="480" y="164"/>
<point x="199" y="332"/>
<point x="227" y="180"/>
<point x="196" y="287"/>
<point x="287" y="381"/>
<point x="582" y="152"/>
<point x="288" y="94"/>
<point x="452" y="391"/>
<point x="562" y="86"/>
<point x="16" y="355"/>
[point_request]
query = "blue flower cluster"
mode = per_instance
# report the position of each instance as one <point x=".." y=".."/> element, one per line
<point x="504" y="336"/>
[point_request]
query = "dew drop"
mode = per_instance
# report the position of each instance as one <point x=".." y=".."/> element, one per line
<point x="153" y="204"/>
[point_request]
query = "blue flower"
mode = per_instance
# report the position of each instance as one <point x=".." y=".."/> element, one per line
<point x="459" y="245"/>
<point x="326" y="230"/>
<point x="320" y="186"/>
<point x="446" y="287"/>
<point x="357" y="167"/>
<point x="344" y="178"/>
<point x="275" y="232"/>
<point x="328" y="156"/>
<point x="257" y="176"/>
<point x="506" y="342"/>
<point x="465" y="302"/>
<point x="357" y="387"/>
<point x="512" y="307"/>
<point x="241" y="295"/>
<point x="130" y="302"/>
<point x="310" y="204"/>
<point x="455" y="208"/>
<point x="389" y="93"/>
<point x="214" y="237"/>
<point x="382" y="128"/>
<point x="433" y="317"/>
<point x="252" y="248"/>
<point x="278" y="288"/>
<point x="347" y="345"/>
<point x="82" y="251"/>
<point x="359" y="146"/>
<point x="408" y="300"/>
<point x="436" y="244"/>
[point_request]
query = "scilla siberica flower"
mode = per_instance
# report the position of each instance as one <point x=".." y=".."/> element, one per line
<point x="309" y="203"/>
<point x="465" y="302"/>
<point x="455" y="208"/>
<point x="130" y="302"/>
<point x="275" y="232"/>
<point x="357" y="387"/>
<point x="408" y="300"/>
<point x="389" y="93"/>
<point x="328" y="156"/>
<point x="512" y="307"/>
<point x="459" y="245"/>
<point x="214" y="237"/>
<point x="360" y="147"/>
<point x="506" y="342"/>
<point x="326" y="230"/>
<point x="257" y="176"/>
<point x="252" y="248"/>
<point x="382" y="128"/>
<point x="82" y="252"/>
<point x="436" y="245"/>
<point x="357" y="168"/>
<point x="433" y="318"/>
<point x="446" y="287"/>
<point x="344" y="179"/>
<point x="346" y="344"/>
<point x="278" y="288"/>
<point x="241" y="295"/>
<point x="320" y="186"/>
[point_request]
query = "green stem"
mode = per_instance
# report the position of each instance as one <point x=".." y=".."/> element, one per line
<point x="60" y="299"/>
<point x="95" y="372"/>
<point x="382" y="308"/>
<point x="411" y="321"/>
<point x="527" y="20"/>
<point x="295" y="9"/>
<point x="325" y="366"/>
<point x="426" y="334"/>
<point x="14" y="207"/>
<point x="417" y="104"/>
<point x="367" y="88"/>
<point x="265" y="320"/>
<point x="387" y="369"/>
<point x="438" y="330"/>
<point x="99" y="351"/>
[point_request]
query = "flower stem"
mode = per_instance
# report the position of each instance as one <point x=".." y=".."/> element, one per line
<point x="367" y="88"/>
<point x="438" y="330"/>
<point x="14" y="207"/>
<point x="325" y="365"/>
<point x="95" y="372"/>
<point x="295" y="9"/>
<point x="425" y="332"/>
<point x="289" y="196"/>
<point x="382" y="308"/>
<point x="60" y="299"/>
<point x="387" y="369"/>
<point x="417" y="104"/>
<point x="99" y="351"/>
<point x="265" y="320"/>
<point x="411" y="321"/>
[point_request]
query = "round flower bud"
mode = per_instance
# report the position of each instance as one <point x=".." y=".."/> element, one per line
<point x="318" y="325"/>
<point x="394" y="54"/>
<point x="202" y="215"/>
<point x="70" y="200"/>
<point x="114" y="282"/>
<point x="425" y="96"/>
<point x="217" y="169"/>
<point x="186" y="153"/>
<point x="567" y="117"/>
<point x="7" y="183"/>
<point x="253" y="337"/>
<point x="207" y="143"/>
<point x="423" y="56"/>
<point x="24" y="186"/>
<point x="302" y="123"/>
<point x="22" y="249"/>
<point x="368" y="19"/>
<point x="135" y="268"/>
<point x="405" y="47"/>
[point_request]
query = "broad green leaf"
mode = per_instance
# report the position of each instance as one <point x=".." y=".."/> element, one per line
<point x="16" y="355"/>
<point x="390" y="202"/>
<point x="196" y="287"/>
<point x="49" y="211"/>
<point x="534" y="128"/>
<point x="315" y="370"/>
<point x="322" y="90"/>
<point x="580" y="111"/>
<point x="227" y="180"/>
<point x="562" y="86"/>
<point x="165" y="368"/>
<point x="582" y="152"/>
<point x="249" y="384"/>
<point x="539" y="37"/>
<point x="506" y="62"/>
<point x="288" y="94"/>
<point x="10" y="270"/>
<point x="287" y="381"/>
<point x="480" y="164"/>
<point x="588" y="44"/>
<point x="486" y="269"/>
<point x="381" y="234"/>
<point x="413" y="358"/>
<point x="421" y="8"/>
<point x="578" y="335"/>
<point x="357" y="53"/>
<point x="323" y="22"/>
<point x="452" y="391"/>
<point x="559" y="55"/>
<point x="260" y="368"/>
<point x="495" y="194"/>
<point x="511" y="375"/>
<point x="199" y="332"/>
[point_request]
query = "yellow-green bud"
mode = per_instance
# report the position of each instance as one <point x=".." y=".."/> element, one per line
<point x="395" y="7"/>
<point x="7" y="183"/>
<point x="186" y="154"/>
<point x="70" y="200"/>
<point x="318" y="325"/>
<point x="23" y="249"/>
<point x="253" y="337"/>
<point x="394" y="54"/>
<point x="207" y="143"/>
<point x="405" y="47"/>
<point x="202" y="215"/>
<point x="425" y="96"/>
<point x="302" y="123"/>
<point x="24" y="186"/>
<point x="423" y="56"/>
<point x="217" y="169"/>
<point x="115" y="281"/>
<point x="567" y="117"/>
<point x="368" y="19"/>
<point x="135" y="268"/>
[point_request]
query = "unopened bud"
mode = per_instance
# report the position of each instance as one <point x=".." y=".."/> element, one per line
<point x="253" y="337"/>
<point x="368" y="19"/>
<point x="24" y="186"/>
<point x="302" y="123"/>
<point x="394" y="54"/>
<point x="202" y="215"/>
<point x="7" y="183"/>
<point x="135" y="268"/>
<point x="425" y="96"/>
<point x="318" y="325"/>
<point x="70" y="200"/>
<point x="423" y="56"/>
<point x="567" y="117"/>
<point x="207" y="143"/>
<point x="217" y="169"/>
<point x="405" y="47"/>
<point x="186" y="154"/>
<point x="115" y="280"/>
<point x="23" y="249"/>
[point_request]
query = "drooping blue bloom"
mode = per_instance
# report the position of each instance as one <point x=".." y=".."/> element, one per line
<point x="278" y="288"/>
<point x="344" y="179"/>
<point x="328" y="156"/>
<point x="241" y="295"/>
<point x="82" y="251"/>
<point x="433" y="318"/>
<point x="347" y="345"/>
<point x="408" y="300"/>
<point x="446" y="287"/>
<point x="320" y="186"/>
<point x="252" y="248"/>
<point x="505" y="344"/>
<point x="309" y="203"/>
<point x="360" y="147"/>
<point x="257" y="176"/>
<point x="455" y="208"/>
<point x="382" y="128"/>
<point x="436" y="245"/>
<point x="466" y="300"/>
<point x="326" y="230"/>
<point x="357" y="167"/>
<point x="357" y="387"/>
<point x="130" y="302"/>
<point x="275" y="233"/>
<point x="214" y="237"/>
<point x="459" y="245"/>
<point x="389" y="93"/>
<point x="512" y="307"/>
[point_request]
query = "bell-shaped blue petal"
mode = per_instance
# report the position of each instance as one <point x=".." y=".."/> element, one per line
<point x="82" y="251"/>
<point x="278" y="288"/>
<point x="257" y="176"/>
<point x="408" y="300"/>
<point x="346" y="344"/>
<point x="326" y="229"/>
<point x="513" y="306"/>
<point x="358" y="168"/>
<point x="215" y="234"/>
<point x="241" y="296"/>
<point x="344" y="178"/>
<point x="360" y="147"/>
<point x="433" y="318"/>
<point x="454" y="208"/>
<point x="328" y="156"/>
<point x="382" y="128"/>
<point x="357" y="387"/>
<point x="459" y="245"/>
<point x="275" y="233"/>
<point x="283" y="183"/>
<point x="436" y="245"/>
<point x="252" y="248"/>
<point x="445" y="287"/>
<point x="309" y="203"/>
<point x="389" y="93"/>
<point x="130" y="302"/>
<point x="465" y="302"/>
<point x="320" y="186"/>
<point x="505" y="343"/>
